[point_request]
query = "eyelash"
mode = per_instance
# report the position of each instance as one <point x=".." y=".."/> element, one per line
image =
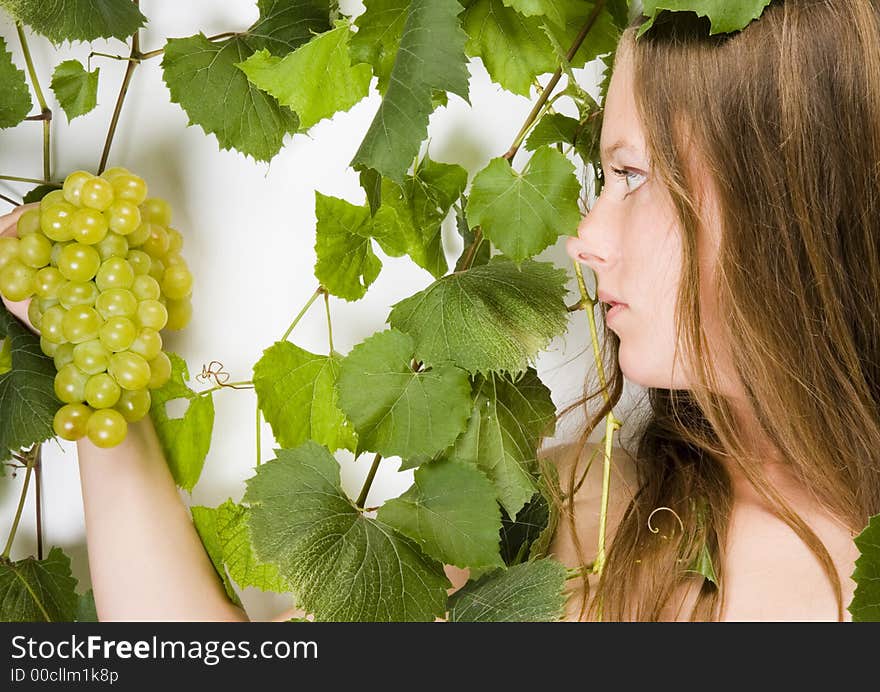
<point x="623" y="174"/>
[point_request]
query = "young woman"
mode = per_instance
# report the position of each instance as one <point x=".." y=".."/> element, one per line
<point x="737" y="226"/>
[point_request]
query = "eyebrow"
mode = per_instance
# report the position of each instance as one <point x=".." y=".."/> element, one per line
<point x="619" y="144"/>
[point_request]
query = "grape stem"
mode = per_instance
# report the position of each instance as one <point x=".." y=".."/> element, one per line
<point x="318" y="292"/>
<point x="123" y="90"/>
<point x="534" y="117"/>
<point x="38" y="483"/>
<point x="259" y="426"/>
<point x="362" y="498"/>
<point x="45" y="112"/>
<point x="32" y="456"/>
<point x="329" y="322"/>
<point x="10" y="201"/>
<point x="19" y="179"/>
<point x="244" y="384"/>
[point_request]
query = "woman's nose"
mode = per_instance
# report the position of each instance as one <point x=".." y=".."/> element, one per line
<point x="584" y="247"/>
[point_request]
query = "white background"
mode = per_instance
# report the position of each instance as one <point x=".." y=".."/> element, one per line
<point x="249" y="232"/>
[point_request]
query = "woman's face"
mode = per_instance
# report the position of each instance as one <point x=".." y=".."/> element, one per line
<point x="631" y="239"/>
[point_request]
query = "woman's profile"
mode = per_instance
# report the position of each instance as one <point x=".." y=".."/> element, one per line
<point x="737" y="226"/>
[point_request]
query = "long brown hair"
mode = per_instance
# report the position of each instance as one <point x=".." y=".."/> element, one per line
<point x="785" y="115"/>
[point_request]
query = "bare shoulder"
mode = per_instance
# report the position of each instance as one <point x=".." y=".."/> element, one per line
<point x="771" y="574"/>
<point x="577" y="534"/>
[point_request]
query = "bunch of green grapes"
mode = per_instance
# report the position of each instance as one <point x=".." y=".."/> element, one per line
<point x="105" y="273"/>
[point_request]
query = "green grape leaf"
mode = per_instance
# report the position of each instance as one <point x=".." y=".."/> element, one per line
<point x="508" y="420"/>
<point x="16" y="102"/>
<point x="421" y="204"/>
<point x="430" y="57"/>
<point x="518" y="536"/>
<point x="523" y="214"/>
<point x="37" y="193"/>
<point x="316" y="80"/>
<point x="205" y="521"/>
<point x="202" y="77"/>
<point x="552" y="9"/>
<point x="865" y="605"/>
<point x="78" y="20"/>
<point x="85" y="608"/>
<point x="556" y="127"/>
<point x="489" y="318"/>
<point x="234" y="533"/>
<point x="380" y="27"/>
<point x="34" y="590"/>
<point x="5" y="356"/>
<point x="396" y="411"/>
<point x="529" y="592"/>
<point x="27" y="392"/>
<point x="342" y="565"/>
<point x="619" y="10"/>
<point x="515" y="49"/>
<point x="451" y="512"/>
<point x="346" y="264"/>
<point x="296" y="390"/>
<point x="724" y="16"/>
<point x="185" y="440"/>
<point x="75" y="89"/>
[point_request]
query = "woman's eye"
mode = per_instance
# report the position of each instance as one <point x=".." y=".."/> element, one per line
<point x="625" y="174"/>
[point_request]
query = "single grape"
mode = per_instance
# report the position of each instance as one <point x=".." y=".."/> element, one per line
<point x="70" y="384"/>
<point x="156" y="244"/>
<point x="71" y="421"/>
<point x="96" y="193"/>
<point x="73" y="184"/>
<point x="137" y="237"/>
<point x="48" y="282"/>
<point x="29" y="222"/>
<point x="140" y="261"/>
<point x="79" y="262"/>
<point x="157" y="269"/>
<point x="34" y="314"/>
<point x="179" y="313"/>
<point x="124" y="216"/>
<point x="113" y="245"/>
<point x="106" y="428"/>
<point x="8" y="250"/>
<point x="130" y="188"/>
<point x="17" y="281"/>
<point x="174" y="259"/>
<point x="51" y="325"/>
<point x="152" y="314"/>
<point x="89" y="226"/>
<point x="177" y="283"/>
<point x="147" y="344"/>
<point x="129" y="370"/>
<point x="175" y="240"/>
<point x="160" y="370"/>
<point x="47" y="347"/>
<point x="81" y="323"/>
<point x="156" y="210"/>
<point x="55" y="220"/>
<point x="118" y="333"/>
<point x="111" y="173"/>
<point x="116" y="302"/>
<point x="134" y="404"/>
<point x="114" y="273"/>
<point x="91" y="357"/>
<point x="102" y="391"/>
<point x="52" y="198"/>
<point x="35" y="250"/>
<point x="78" y="293"/>
<point x="146" y="288"/>
<point x="63" y="355"/>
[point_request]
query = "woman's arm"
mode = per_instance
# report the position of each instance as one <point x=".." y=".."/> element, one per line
<point x="145" y="557"/>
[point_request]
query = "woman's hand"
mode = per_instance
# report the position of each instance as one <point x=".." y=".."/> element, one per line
<point x="8" y="227"/>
